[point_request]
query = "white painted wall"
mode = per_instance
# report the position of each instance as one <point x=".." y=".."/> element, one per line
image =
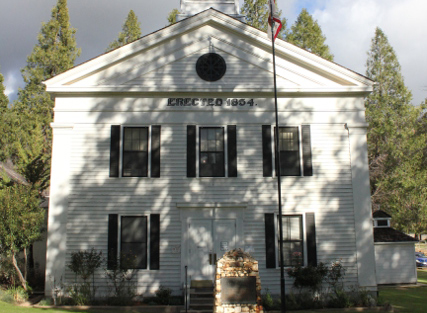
<point x="82" y="221"/>
<point x="395" y="263"/>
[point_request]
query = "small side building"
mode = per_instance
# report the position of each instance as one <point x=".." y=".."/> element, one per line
<point x="394" y="252"/>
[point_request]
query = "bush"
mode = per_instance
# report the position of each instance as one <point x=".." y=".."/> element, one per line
<point x="81" y="294"/>
<point x="120" y="281"/>
<point x="14" y="295"/>
<point x="84" y="264"/>
<point x="163" y="295"/>
<point x="339" y="299"/>
<point x="310" y="277"/>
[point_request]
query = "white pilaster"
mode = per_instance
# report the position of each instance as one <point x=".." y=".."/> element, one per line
<point x="58" y="205"/>
<point x="362" y="206"/>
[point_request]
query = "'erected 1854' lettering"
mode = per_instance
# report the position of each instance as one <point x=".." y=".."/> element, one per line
<point x="209" y="102"/>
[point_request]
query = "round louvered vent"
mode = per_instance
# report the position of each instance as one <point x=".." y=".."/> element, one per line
<point x="211" y="67"/>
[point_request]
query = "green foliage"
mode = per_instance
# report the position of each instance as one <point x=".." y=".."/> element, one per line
<point x="335" y="275"/>
<point x="131" y="31"/>
<point x="83" y="264"/>
<point x="14" y="295"/>
<point x="310" y="277"/>
<point x="339" y="299"/>
<point x="81" y="293"/>
<point x="256" y="12"/>
<point x="163" y="295"/>
<point x="397" y="141"/>
<point x="8" y="274"/>
<point x="21" y="221"/>
<point x="27" y="134"/>
<point x="4" y="101"/>
<point x="172" y="16"/>
<point x="121" y="283"/>
<point x="307" y="34"/>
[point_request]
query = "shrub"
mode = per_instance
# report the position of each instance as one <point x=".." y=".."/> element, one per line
<point x="310" y="277"/>
<point x="339" y="299"/>
<point x="163" y="295"/>
<point x="14" y="295"/>
<point x="120" y="281"/>
<point x="83" y="264"/>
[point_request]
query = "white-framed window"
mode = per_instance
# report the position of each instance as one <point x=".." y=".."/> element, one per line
<point x="293" y="240"/>
<point x="135" y="151"/>
<point x="295" y="150"/>
<point x="211" y="151"/>
<point x="134" y="241"/>
<point x="381" y="222"/>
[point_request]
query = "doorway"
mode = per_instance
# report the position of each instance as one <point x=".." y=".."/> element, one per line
<point x="208" y="240"/>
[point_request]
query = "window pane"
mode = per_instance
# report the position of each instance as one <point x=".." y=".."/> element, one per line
<point x="289" y="151"/>
<point x="134" y="229"/>
<point x="211" y="152"/>
<point x="135" y="138"/>
<point x="135" y="164"/>
<point x="133" y="247"/>
<point x="133" y="255"/>
<point x="135" y="152"/>
<point x="293" y="253"/>
<point x="292" y="240"/>
<point x="203" y="139"/>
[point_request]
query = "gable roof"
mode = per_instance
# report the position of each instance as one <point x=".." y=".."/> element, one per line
<point x="388" y="234"/>
<point x="380" y="214"/>
<point x="164" y="61"/>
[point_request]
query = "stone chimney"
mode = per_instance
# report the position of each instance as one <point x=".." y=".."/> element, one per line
<point x="192" y="7"/>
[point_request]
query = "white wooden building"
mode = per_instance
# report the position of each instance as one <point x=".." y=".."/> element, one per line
<point x="165" y="147"/>
<point x="394" y="253"/>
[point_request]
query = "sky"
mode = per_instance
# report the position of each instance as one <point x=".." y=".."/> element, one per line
<point x="348" y="25"/>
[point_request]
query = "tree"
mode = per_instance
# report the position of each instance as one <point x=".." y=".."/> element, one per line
<point x="4" y="101"/>
<point x="21" y="219"/>
<point x="54" y="53"/>
<point x="256" y="12"/>
<point x="172" y="16"/>
<point x="307" y="34"/>
<point x="131" y="31"/>
<point x="396" y="141"/>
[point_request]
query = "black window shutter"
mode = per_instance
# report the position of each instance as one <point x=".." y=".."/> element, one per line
<point x="311" y="239"/>
<point x="270" y="247"/>
<point x="306" y="150"/>
<point x="155" y="151"/>
<point x="113" y="224"/>
<point x="154" y="241"/>
<point x="191" y="151"/>
<point x="267" y="163"/>
<point x="232" y="150"/>
<point x="114" y="150"/>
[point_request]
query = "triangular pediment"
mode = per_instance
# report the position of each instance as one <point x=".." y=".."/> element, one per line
<point x="165" y="61"/>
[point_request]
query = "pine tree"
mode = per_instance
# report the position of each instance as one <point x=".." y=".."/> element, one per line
<point x="4" y="101"/>
<point x="396" y="141"/>
<point x="172" y="16"/>
<point x="307" y="34"/>
<point x="256" y="12"/>
<point x="131" y="31"/>
<point x="54" y="53"/>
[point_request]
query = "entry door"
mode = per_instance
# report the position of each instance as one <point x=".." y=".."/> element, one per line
<point x="208" y="241"/>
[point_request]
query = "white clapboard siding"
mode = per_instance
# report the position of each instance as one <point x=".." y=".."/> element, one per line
<point x="395" y="263"/>
<point x="328" y="193"/>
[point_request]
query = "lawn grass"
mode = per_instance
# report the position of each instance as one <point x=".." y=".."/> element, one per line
<point x="422" y="276"/>
<point x="405" y="299"/>
<point x="408" y="299"/>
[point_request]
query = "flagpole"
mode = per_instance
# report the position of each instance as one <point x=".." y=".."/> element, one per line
<point x="278" y="172"/>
